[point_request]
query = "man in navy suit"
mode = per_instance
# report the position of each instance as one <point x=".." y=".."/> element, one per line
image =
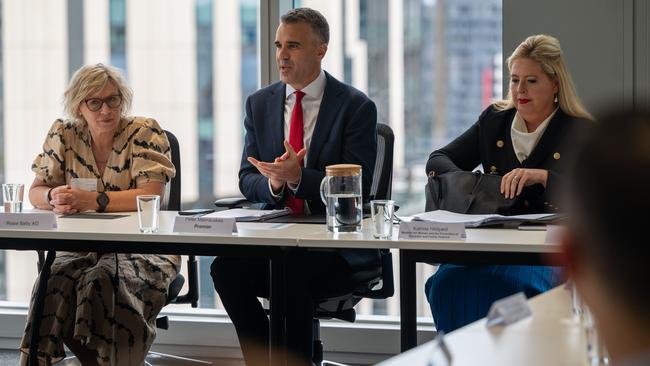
<point x="294" y="129"/>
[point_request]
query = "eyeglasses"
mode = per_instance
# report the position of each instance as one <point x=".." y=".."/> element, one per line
<point x="95" y="104"/>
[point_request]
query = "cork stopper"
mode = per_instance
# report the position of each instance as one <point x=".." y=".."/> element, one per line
<point x="343" y="170"/>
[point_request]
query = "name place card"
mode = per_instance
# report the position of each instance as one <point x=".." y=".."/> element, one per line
<point x="418" y="230"/>
<point x="205" y="225"/>
<point x="28" y="221"/>
<point x="508" y="310"/>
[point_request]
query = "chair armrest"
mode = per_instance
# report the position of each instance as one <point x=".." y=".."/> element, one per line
<point x="232" y="202"/>
<point x="239" y="202"/>
<point x="388" y="284"/>
<point x="192" y="295"/>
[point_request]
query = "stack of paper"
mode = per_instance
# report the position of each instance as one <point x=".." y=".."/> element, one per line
<point x="447" y="217"/>
<point x="246" y="214"/>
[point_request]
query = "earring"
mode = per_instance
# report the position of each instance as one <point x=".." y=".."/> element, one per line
<point x="555" y="99"/>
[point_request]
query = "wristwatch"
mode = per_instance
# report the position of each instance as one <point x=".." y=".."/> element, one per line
<point x="102" y="201"/>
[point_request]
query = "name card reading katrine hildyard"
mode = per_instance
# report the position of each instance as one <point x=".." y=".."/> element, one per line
<point x="28" y="221"/>
<point x="205" y="225"/>
<point x="425" y="230"/>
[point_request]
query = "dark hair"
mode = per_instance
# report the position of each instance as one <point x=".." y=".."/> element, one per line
<point x="610" y="197"/>
<point x="314" y="18"/>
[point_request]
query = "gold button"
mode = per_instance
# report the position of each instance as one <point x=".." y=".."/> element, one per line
<point x="493" y="169"/>
<point x="499" y="143"/>
<point x="556" y="156"/>
<point x="526" y="204"/>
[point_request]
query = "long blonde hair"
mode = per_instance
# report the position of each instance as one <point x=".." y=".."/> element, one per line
<point x="546" y="50"/>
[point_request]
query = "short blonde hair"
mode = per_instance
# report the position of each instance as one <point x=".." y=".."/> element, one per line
<point x="91" y="79"/>
<point x="546" y="50"/>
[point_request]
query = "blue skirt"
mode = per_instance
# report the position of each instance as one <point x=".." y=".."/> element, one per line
<point x="459" y="295"/>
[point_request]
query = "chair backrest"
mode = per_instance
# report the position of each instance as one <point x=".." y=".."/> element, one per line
<point x="382" y="178"/>
<point x="172" y="201"/>
<point x="341" y="307"/>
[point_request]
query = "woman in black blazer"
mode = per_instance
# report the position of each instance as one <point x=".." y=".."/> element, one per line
<point x="527" y="139"/>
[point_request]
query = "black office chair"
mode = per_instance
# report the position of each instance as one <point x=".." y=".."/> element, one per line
<point x="172" y="202"/>
<point x="376" y="283"/>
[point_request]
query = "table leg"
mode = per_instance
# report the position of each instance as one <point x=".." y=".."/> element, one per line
<point x="38" y="307"/>
<point x="408" y="306"/>
<point x="277" y="311"/>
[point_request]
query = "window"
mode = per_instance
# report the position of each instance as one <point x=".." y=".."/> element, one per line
<point x="431" y="66"/>
<point x="191" y="64"/>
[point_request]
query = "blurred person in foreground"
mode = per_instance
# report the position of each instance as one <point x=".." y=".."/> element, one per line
<point x="606" y="243"/>
<point x="102" y="316"/>
<point x="527" y="139"/>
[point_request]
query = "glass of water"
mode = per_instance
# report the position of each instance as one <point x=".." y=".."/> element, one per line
<point x="381" y="212"/>
<point x="12" y="195"/>
<point x="148" y="208"/>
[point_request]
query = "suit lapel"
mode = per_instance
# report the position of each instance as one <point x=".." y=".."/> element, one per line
<point x="276" y="118"/>
<point x="329" y="107"/>
<point x="511" y="156"/>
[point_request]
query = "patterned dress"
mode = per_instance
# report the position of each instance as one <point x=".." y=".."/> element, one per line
<point x="83" y="288"/>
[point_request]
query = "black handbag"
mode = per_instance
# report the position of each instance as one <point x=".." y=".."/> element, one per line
<point x="469" y="193"/>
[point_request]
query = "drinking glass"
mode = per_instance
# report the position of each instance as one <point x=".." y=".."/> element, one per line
<point x="381" y="212"/>
<point x="12" y="195"/>
<point x="148" y="207"/>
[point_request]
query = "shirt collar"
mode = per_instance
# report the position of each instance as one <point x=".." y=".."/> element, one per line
<point x="519" y="124"/>
<point x="315" y="89"/>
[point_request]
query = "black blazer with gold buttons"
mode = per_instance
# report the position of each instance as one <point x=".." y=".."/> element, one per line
<point x="489" y="144"/>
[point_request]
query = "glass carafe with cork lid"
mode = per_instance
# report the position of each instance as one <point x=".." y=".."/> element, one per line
<point x="340" y="191"/>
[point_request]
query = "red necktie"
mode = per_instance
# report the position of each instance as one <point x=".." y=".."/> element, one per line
<point x="296" y="134"/>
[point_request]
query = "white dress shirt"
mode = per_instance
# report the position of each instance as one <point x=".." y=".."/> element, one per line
<point x="310" y="106"/>
<point x="523" y="142"/>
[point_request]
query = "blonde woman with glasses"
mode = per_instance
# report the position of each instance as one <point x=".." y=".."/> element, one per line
<point x="100" y="159"/>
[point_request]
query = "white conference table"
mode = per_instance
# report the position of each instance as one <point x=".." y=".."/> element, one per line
<point x="271" y="239"/>
<point x="122" y="235"/>
<point x="551" y="336"/>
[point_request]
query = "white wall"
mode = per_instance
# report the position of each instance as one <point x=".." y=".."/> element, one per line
<point x="596" y="38"/>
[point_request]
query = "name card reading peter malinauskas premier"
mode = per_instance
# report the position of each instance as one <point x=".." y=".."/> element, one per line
<point x="28" y="221"/>
<point x="205" y="225"/>
<point x="424" y="230"/>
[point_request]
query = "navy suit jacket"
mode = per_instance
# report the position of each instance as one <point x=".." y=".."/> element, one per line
<point x="345" y="132"/>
